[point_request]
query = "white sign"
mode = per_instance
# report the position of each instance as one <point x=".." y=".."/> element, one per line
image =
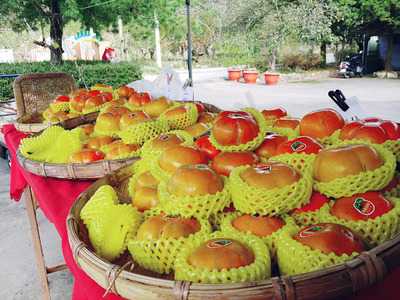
<point x="6" y="56"/>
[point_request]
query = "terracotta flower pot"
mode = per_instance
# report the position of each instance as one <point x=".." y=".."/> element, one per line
<point x="234" y="74"/>
<point x="271" y="78"/>
<point x="250" y="76"/>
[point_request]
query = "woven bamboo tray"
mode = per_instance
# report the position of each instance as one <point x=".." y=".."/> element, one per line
<point x="31" y="123"/>
<point x="33" y="94"/>
<point x="74" y="171"/>
<point x="330" y="283"/>
<point x="83" y="171"/>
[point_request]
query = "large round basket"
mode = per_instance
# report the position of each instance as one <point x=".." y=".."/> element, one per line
<point x="330" y="283"/>
<point x="31" y="123"/>
<point x="74" y="171"/>
<point x="33" y="94"/>
<point x="82" y="171"/>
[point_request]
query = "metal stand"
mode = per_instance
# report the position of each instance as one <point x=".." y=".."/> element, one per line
<point x="189" y="41"/>
<point x="44" y="271"/>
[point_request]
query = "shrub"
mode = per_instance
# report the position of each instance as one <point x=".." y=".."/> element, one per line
<point x="302" y="61"/>
<point x="85" y="73"/>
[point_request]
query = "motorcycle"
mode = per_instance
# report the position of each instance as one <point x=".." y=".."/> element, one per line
<point x="351" y="66"/>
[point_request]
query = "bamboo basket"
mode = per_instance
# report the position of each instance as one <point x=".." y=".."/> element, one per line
<point x="33" y="94"/>
<point x="330" y="283"/>
<point x="82" y="171"/>
<point x="92" y="170"/>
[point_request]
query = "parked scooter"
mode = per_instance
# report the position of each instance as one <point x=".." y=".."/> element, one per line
<point x="351" y="66"/>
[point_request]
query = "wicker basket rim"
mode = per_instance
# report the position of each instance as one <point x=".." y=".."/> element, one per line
<point x="350" y="267"/>
<point x="167" y="283"/>
<point x="22" y="159"/>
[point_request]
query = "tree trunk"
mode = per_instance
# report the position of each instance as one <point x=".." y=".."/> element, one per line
<point x="389" y="53"/>
<point x="323" y="54"/>
<point x="56" y="33"/>
<point x="157" y="40"/>
<point x="272" y="61"/>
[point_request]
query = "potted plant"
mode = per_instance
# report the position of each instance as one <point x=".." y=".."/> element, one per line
<point x="250" y="76"/>
<point x="234" y="74"/>
<point x="271" y="78"/>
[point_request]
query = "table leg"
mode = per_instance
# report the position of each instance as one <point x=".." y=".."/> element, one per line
<point x="37" y="245"/>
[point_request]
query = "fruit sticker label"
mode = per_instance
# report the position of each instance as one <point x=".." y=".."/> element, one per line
<point x="298" y="146"/>
<point x="265" y="169"/>
<point x="163" y="137"/>
<point x="364" y="206"/>
<point x="219" y="243"/>
<point x="309" y="231"/>
<point x="348" y="233"/>
<point x="237" y="116"/>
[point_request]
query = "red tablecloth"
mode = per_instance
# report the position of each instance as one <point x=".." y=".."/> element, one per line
<point x="56" y="196"/>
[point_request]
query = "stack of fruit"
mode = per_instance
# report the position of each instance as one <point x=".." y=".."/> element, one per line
<point x="127" y="119"/>
<point x="79" y="102"/>
<point x="259" y="189"/>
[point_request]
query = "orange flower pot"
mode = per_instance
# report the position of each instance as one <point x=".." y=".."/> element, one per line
<point x="250" y="76"/>
<point x="271" y="78"/>
<point x="234" y="74"/>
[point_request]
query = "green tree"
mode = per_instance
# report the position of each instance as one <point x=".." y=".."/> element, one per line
<point x="373" y="17"/>
<point x="35" y="14"/>
<point x="274" y="22"/>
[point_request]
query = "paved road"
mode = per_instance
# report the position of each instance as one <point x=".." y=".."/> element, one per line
<point x="379" y="97"/>
<point x="19" y="280"/>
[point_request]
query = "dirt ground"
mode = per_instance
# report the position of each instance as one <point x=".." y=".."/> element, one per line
<point x="19" y="280"/>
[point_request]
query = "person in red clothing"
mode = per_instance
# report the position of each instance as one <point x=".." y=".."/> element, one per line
<point x="108" y="54"/>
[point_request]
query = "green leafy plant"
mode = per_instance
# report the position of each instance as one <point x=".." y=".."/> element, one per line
<point x="85" y="73"/>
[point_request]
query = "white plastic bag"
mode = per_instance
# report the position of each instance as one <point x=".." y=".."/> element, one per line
<point x="167" y="84"/>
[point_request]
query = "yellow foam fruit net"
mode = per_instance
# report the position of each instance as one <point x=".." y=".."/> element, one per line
<point x="59" y="106"/>
<point x="288" y="132"/>
<point x="149" y="153"/>
<point x="201" y="207"/>
<point x="156" y="170"/>
<point x="216" y="219"/>
<point x="53" y="145"/>
<point x="331" y="140"/>
<point x="258" y="270"/>
<point x="141" y="132"/>
<point x="94" y="109"/>
<point x="307" y="218"/>
<point x="391" y="145"/>
<point x="296" y="258"/>
<point x="106" y="149"/>
<point x="251" y="145"/>
<point x="270" y="240"/>
<point x="373" y="231"/>
<point x="184" y="120"/>
<point x="394" y="147"/>
<point x="132" y="107"/>
<point x="276" y="201"/>
<point x="132" y="181"/>
<point x="395" y="191"/>
<point x="98" y="131"/>
<point x="160" y="255"/>
<point x="140" y="166"/>
<point x="365" y="181"/>
<point x="109" y="224"/>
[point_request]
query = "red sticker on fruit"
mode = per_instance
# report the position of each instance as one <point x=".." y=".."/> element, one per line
<point x="219" y="243"/>
<point x="364" y="206"/>
<point x="309" y="231"/>
<point x="298" y="146"/>
<point x="163" y="137"/>
<point x="265" y="169"/>
<point x="238" y="116"/>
